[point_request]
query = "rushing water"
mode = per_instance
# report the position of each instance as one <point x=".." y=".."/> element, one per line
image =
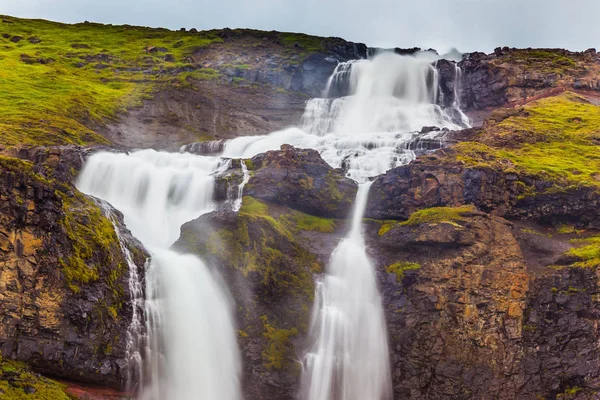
<point x="390" y="98"/>
<point x="368" y="122"/>
<point x="192" y="351"/>
<point x="349" y="357"/>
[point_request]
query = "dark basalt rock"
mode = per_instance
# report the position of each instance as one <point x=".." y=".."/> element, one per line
<point x="71" y="328"/>
<point x="299" y="178"/>
<point x="439" y="180"/>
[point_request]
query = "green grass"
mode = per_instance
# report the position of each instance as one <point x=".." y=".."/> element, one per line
<point x="555" y="138"/>
<point x="312" y="223"/>
<point x="62" y="101"/>
<point x="541" y="60"/>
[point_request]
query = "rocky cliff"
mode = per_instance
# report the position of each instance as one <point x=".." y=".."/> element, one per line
<point x="64" y="298"/>
<point x="486" y="252"/>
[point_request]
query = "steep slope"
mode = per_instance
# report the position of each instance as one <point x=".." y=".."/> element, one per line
<point x="75" y="83"/>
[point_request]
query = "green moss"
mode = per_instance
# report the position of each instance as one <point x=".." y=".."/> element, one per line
<point x="565" y="229"/>
<point x="400" y="268"/>
<point x="279" y="347"/>
<point x="588" y="254"/>
<point x="89" y="232"/>
<point x="249" y="164"/>
<point x="452" y="215"/>
<point x="15" y="377"/>
<point x="545" y="61"/>
<point x="261" y="253"/>
<point x="555" y="138"/>
<point x="60" y="100"/>
<point x="312" y="223"/>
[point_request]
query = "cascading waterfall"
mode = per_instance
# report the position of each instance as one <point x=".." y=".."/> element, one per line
<point x="390" y="98"/>
<point x="135" y="333"/>
<point x="190" y="342"/>
<point x="349" y="358"/>
<point x="192" y="347"/>
<point x="246" y="177"/>
<point x="371" y="130"/>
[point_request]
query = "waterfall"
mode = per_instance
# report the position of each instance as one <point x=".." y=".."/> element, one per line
<point x="135" y="332"/>
<point x="368" y="131"/>
<point x="349" y="357"/>
<point x="240" y="195"/>
<point x="192" y="348"/>
<point x="369" y="122"/>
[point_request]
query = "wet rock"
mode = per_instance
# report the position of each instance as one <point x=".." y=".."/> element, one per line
<point x="34" y="40"/>
<point x="439" y="179"/>
<point x="70" y="323"/>
<point x="299" y="178"/>
<point x="16" y="39"/>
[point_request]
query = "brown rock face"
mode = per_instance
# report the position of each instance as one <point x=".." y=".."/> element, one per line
<point x="455" y="323"/>
<point x="63" y="278"/>
<point x="301" y="179"/>
<point x="441" y="180"/>
<point x="517" y="75"/>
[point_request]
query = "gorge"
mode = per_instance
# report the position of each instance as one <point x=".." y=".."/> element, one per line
<point x="301" y="217"/>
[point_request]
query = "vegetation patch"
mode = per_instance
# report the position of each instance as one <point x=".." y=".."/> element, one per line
<point x="309" y="222"/>
<point x="547" y="61"/>
<point x="556" y="139"/>
<point x="400" y="268"/>
<point x="89" y="233"/>
<point x="279" y="347"/>
<point x="434" y="215"/>
<point x="588" y="254"/>
<point x="271" y="250"/>
<point x="17" y="382"/>
<point x="75" y="77"/>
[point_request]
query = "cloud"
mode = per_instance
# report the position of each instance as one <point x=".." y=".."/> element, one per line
<point x="467" y="24"/>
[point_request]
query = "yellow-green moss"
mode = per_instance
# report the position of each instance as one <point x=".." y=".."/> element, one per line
<point x="61" y="100"/>
<point x="278" y="348"/>
<point x="588" y="254"/>
<point x="309" y="222"/>
<point x="89" y="232"/>
<point x="452" y="215"/>
<point x="400" y="268"/>
<point x="249" y="164"/>
<point x="555" y="138"/>
<point x="260" y="253"/>
<point x="547" y="61"/>
<point x="21" y="377"/>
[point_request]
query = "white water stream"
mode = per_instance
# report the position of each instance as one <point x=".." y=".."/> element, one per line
<point x="191" y="350"/>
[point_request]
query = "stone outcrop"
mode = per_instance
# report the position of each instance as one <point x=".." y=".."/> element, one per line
<point x="440" y="179"/>
<point x="299" y="178"/>
<point x="268" y="268"/>
<point x="511" y="75"/>
<point x="64" y="295"/>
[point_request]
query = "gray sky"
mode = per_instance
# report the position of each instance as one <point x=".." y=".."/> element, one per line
<point x="468" y="25"/>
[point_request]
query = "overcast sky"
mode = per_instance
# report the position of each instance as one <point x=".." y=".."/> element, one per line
<point x="468" y="25"/>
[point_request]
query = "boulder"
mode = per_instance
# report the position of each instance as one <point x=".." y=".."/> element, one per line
<point x="299" y="178"/>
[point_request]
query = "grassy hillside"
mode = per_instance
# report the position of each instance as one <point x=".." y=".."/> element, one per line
<point x="61" y="81"/>
<point x="555" y="138"/>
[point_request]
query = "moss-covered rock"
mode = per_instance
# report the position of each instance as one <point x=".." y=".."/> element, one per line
<point x="300" y="179"/>
<point x="539" y="162"/>
<point x="269" y="267"/>
<point x="17" y="382"/>
<point x="63" y="276"/>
